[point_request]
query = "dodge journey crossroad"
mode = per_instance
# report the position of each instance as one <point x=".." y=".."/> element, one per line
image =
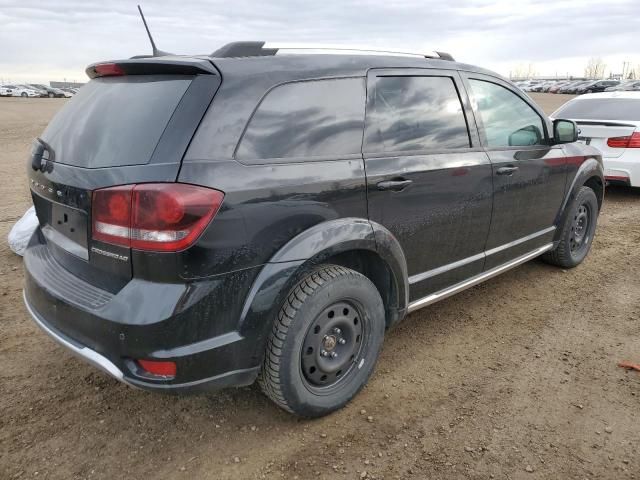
<point x="268" y="214"/>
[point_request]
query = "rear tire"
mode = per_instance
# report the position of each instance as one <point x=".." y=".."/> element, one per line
<point x="577" y="231"/>
<point x="324" y="343"/>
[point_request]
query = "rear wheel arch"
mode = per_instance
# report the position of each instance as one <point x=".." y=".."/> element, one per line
<point x="353" y="243"/>
<point x="370" y="264"/>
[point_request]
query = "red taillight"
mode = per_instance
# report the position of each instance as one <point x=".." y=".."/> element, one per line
<point x="163" y="369"/>
<point x="165" y="217"/>
<point x="632" y="141"/>
<point x="112" y="214"/>
<point x="108" y="70"/>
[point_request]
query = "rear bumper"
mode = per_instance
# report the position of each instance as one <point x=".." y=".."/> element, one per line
<point x="194" y="325"/>
<point x="624" y="169"/>
<point x="228" y="379"/>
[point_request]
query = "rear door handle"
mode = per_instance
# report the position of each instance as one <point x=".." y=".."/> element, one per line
<point x="507" y="170"/>
<point x="395" y="185"/>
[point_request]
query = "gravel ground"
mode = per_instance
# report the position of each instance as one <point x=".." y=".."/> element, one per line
<point x="516" y="378"/>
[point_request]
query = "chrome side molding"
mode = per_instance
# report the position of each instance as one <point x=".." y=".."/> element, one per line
<point x="459" y="287"/>
<point x="419" y="277"/>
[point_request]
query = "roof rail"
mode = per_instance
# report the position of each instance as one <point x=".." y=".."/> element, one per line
<point x="243" y="49"/>
<point x="341" y="49"/>
<point x="255" y="49"/>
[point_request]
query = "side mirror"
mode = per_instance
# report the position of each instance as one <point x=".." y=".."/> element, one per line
<point x="564" y="131"/>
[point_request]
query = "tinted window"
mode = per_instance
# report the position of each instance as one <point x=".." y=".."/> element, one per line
<point x="415" y="113"/>
<point x="601" y="109"/>
<point x="320" y="118"/>
<point x="115" y="120"/>
<point x="507" y="119"/>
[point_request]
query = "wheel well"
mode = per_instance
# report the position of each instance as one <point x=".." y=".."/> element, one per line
<point x="595" y="184"/>
<point x="372" y="266"/>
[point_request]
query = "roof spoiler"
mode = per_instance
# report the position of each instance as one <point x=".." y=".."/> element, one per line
<point x="152" y="65"/>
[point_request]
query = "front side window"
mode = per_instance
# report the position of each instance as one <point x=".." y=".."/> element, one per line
<point x="319" y="118"/>
<point x="415" y="113"/>
<point x="508" y="120"/>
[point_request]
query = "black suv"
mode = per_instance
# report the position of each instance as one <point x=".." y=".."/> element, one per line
<point x="207" y="221"/>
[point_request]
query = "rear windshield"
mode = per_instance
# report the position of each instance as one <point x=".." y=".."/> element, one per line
<point x="115" y="121"/>
<point x="601" y="109"/>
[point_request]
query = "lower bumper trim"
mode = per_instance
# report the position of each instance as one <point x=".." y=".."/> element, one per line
<point x="91" y="356"/>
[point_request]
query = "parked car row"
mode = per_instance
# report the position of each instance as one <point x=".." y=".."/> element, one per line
<point x="35" y="90"/>
<point x="578" y="87"/>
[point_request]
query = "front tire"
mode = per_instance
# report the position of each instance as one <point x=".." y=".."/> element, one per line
<point x="578" y="231"/>
<point x="324" y="343"/>
<point x="23" y="95"/>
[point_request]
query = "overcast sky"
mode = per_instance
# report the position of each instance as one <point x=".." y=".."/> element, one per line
<point x="56" y="39"/>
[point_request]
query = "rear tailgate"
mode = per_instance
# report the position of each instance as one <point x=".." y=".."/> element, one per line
<point x="120" y="129"/>
<point x="596" y="134"/>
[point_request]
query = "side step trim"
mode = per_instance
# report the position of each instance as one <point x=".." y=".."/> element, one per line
<point x="459" y="287"/>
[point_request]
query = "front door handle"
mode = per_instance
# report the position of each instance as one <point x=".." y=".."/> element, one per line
<point x="507" y="170"/>
<point x="395" y="185"/>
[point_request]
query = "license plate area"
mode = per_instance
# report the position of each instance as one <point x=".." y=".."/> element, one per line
<point x="63" y="225"/>
<point x="70" y="222"/>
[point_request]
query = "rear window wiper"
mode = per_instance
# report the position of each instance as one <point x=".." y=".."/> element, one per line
<point x="41" y="155"/>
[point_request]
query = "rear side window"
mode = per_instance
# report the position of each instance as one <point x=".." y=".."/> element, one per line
<point x="415" y="113"/>
<point x="311" y="119"/>
<point x="601" y="109"/>
<point x="115" y="121"/>
<point x="508" y="120"/>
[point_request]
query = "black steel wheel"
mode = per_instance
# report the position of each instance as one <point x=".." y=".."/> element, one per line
<point x="577" y="232"/>
<point x="332" y="345"/>
<point x="324" y="343"/>
<point x="579" y="238"/>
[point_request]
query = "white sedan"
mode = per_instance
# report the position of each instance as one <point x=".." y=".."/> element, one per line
<point x="609" y="121"/>
<point x="23" y="91"/>
<point x="6" y="90"/>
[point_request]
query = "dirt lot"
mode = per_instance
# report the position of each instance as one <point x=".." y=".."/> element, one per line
<point x="516" y="378"/>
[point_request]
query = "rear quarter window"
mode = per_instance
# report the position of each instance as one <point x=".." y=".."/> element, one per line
<point x="316" y="119"/>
